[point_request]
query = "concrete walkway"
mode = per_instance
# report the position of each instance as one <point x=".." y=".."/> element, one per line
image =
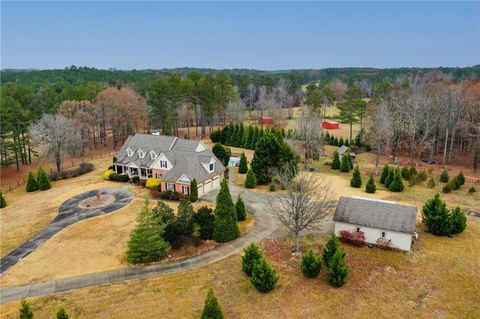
<point x="265" y="224"/>
<point x="69" y="213"/>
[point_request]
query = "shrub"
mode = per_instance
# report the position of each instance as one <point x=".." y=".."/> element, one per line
<point x="240" y="209"/>
<point x="448" y="187"/>
<point x="461" y="179"/>
<point x="106" y="175"/>
<point x="206" y="220"/>
<point x="222" y="153"/>
<point x="212" y="309"/>
<point x="74" y="172"/>
<point x="25" y="312"/>
<point x="43" y="181"/>
<point x="264" y="276"/>
<point x="337" y="271"/>
<point x="32" y="184"/>
<point x="345" y="164"/>
<point x="250" y="180"/>
<point x="371" y="187"/>
<point x="136" y="179"/>
<point x="336" y="161"/>
<point x="458" y="220"/>
<point x="333" y="244"/>
<point x="153" y="183"/>
<point x="390" y="176"/>
<point x="242" y="166"/>
<point x="444" y="177"/>
<point x="216" y="136"/>
<point x="310" y="265"/>
<point x="172" y="195"/>
<point x="356" y="180"/>
<point x="226" y="228"/>
<point x="179" y="232"/>
<point x="272" y="187"/>
<point x="3" y="201"/>
<point x="431" y="183"/>
<point x="397" y="184"/>
<point x="163" y="213"/>
<point x="386" y="170"/>
<point x="251" y="255"/>
<point x="412" y="171"/>
<point x="146" y="243"/>
<point x="119" y="178"/>
<point x="472" y="190"/>
<point x="435" y="216"/>
<point x="193" y="191"/>
<point x="405" y="173"/>
<point x="62" y="314"/>
<point x="421" y="176"/>
<point x="355" y="237"/>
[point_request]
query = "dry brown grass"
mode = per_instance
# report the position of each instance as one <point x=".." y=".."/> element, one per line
<point x="439" y="279"/>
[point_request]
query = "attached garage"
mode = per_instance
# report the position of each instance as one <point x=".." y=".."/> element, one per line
<point x="216" y="182"/>
<point x="200" y="189"/>
<point x="207" y="185"/>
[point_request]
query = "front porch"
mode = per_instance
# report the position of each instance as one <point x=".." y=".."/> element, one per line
<point x="132" y="170"/>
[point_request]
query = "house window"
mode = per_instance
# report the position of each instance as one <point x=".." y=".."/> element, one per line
<point x="141" y="154"/>
<point x="170" y="186"/>
<point x="163" y="164"/>
<point x="358" y="229"/>
<point x="129" y="152"/>
<point x="212" y="166"/>
<point x="186" y="190"/>
<point x="158" y="175"/>
<point x="383" y="234"/>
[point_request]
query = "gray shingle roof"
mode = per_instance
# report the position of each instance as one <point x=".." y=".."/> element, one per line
<point x="371" y="213"/>
<point x="342" y="149"/>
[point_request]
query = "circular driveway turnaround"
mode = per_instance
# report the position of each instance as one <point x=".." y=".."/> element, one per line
<point x="69" y="213"/>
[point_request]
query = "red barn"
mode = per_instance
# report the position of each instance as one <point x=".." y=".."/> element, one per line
<point x="330" y="125"/>
<point x="266" y="120"/>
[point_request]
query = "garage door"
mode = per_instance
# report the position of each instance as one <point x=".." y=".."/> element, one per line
<point x="216" y="183"/>
<point x="207" y="186"/>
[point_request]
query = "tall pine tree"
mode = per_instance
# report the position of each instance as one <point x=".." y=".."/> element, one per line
<point x="225" y="227"/>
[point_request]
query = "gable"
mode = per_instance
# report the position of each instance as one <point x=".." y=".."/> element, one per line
<point x="156" y="163"/>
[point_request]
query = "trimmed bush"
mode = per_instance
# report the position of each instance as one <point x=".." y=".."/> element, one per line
<point x="251" y="255"/>
<point x="73" y="172"/>
<point x="420" y="177"/>
<point x="206" y="220"/>
<point x="337" y="271"/>
<point x="336" y="161"/>
<point x="25" y="312"/>
<point x="136" y="179"/>
<point x="385" y="172"/>
<point x="356" y="180"/>
<point x="264" y="276"/>
<point x="193" y="191"/>
<point x="397" y="184"/>
<point x="243" y="166"/>
<point x="461" y="179"/>
<point x="345" y="164"/>
<point x="240" y="209"/>
<point x="171" y="195"/>
<point x="310" y="265"/>
<point x="371" y="187"/>
<point x="216" y="136"/>
<point x="472" y="190"/>
<point x="3" y="201"/>
<point x="272" y="187"/>
<point x="333" y="244"/>
<point x="62" y="314"/>
<point x="212" y="309"/>
<point x="458" y="220"/>
<point x="32" y="184"/>
<point x="444" y="177"/>
<point x="431" y="183"/>
<point x="250" y="180"/>
<point x="405" y="173"/>
<point x="43" y="181"/>
<point x="119" y="178"/>
<point x="226" y="228"/>
<point x="153" y="183"/>
<point x="106" y="175"/>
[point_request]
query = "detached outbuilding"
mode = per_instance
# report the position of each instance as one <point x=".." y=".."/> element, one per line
<point x="382" y="223"/>
<point x="330" y="125"/>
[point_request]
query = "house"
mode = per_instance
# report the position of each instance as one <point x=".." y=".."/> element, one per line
<point x="381" y="222"/>
<point x="330" y="125"/>
<point x="175" y="161"/>
<point x="344" y="149"/>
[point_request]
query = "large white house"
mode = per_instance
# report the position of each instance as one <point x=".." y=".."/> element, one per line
<point x="380" y="221"/>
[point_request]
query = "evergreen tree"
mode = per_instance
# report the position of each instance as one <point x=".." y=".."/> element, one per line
<point x="444" y="177"/>
<point x="356" y="180"/>
<point x="32" y="184"/>
<point x="458" y="220"/>
<point x="250" y="180"/>
<point x="390" y="177"/>
<point x="25" y="312"/>
<point x="212" y="309"/>
<point x="251" y="255"/>
<point x="250" y="138"/>
<point x="240" y="209"/>
<point x="336" y="161"/>
<point x="341" y="142"/>
<point x="431" y="183"/>
<point x="337" y="271"/>
<point x="242" y="166"/>
<point x="193" y="191"/>
<point x="239" y="137"/>
<point x="43" y="180"/>
<point x="332" y="246"/>
<point x="206" y="220"/>
<point x="62" y="314"/>
<point x="472" y="190"/>
<point x="436" y="216"/>
<point x="405" y="173"/>
<point x="461" y="179"/>
<point x="255" y="137"/>
<point x="397" y="184"/>
<point x="246" y="134"/>
<point x="3" y="201"/>
<point x="447" y="188"/>
<point x="371" y="187"/>
<point x="310" y="265"/>
<point x="386" y="170"/>
<point x="345" y="164"/>
<point x="264" y="276"/>
<point x="180" y="232"/>
<point x="225" y="228"/>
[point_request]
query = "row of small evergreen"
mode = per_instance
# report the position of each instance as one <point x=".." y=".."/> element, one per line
<point x="246" y="136"/>
<point x="25" y="312"/>
<point x="453" y="184"/>
<point x="41" y="182"/>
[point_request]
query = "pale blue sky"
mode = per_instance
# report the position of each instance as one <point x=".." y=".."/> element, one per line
<point x="261" y="35"/>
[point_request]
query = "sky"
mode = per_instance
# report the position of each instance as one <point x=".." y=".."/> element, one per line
<point x="258" y="35"/>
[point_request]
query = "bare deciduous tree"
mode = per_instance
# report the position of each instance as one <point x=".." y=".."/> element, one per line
<point x="304" y="202"/>
<point x="57" y="136"/>
<point x="307" y="137"/>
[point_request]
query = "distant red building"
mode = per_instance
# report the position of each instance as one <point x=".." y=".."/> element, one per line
<point x="330" y="125"/>
<point x="267" y="120"/>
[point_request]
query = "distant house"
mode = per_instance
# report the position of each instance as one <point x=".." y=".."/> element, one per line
<point x="344" y="150"/>
<point x="330" y="125"/>
<point x="380" y="221"/>
<point x="175" y="161"/>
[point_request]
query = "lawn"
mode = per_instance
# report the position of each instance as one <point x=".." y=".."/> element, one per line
<point x="439" y="279"/>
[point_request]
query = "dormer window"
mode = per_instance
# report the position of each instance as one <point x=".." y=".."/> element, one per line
<point x="212" y="167"/>
<point x="141" y="154"/>
<point x="153" y="155"/>
<point x="129" y="152"/>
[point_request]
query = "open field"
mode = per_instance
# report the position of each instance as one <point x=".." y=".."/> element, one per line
<point x="439" y="279"/>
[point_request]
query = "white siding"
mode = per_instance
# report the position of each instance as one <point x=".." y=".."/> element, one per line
<point x="216" y="182"/>
<point x="399" y="240"/>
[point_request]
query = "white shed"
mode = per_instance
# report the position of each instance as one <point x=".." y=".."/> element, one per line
<point x="380" y="221"/>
